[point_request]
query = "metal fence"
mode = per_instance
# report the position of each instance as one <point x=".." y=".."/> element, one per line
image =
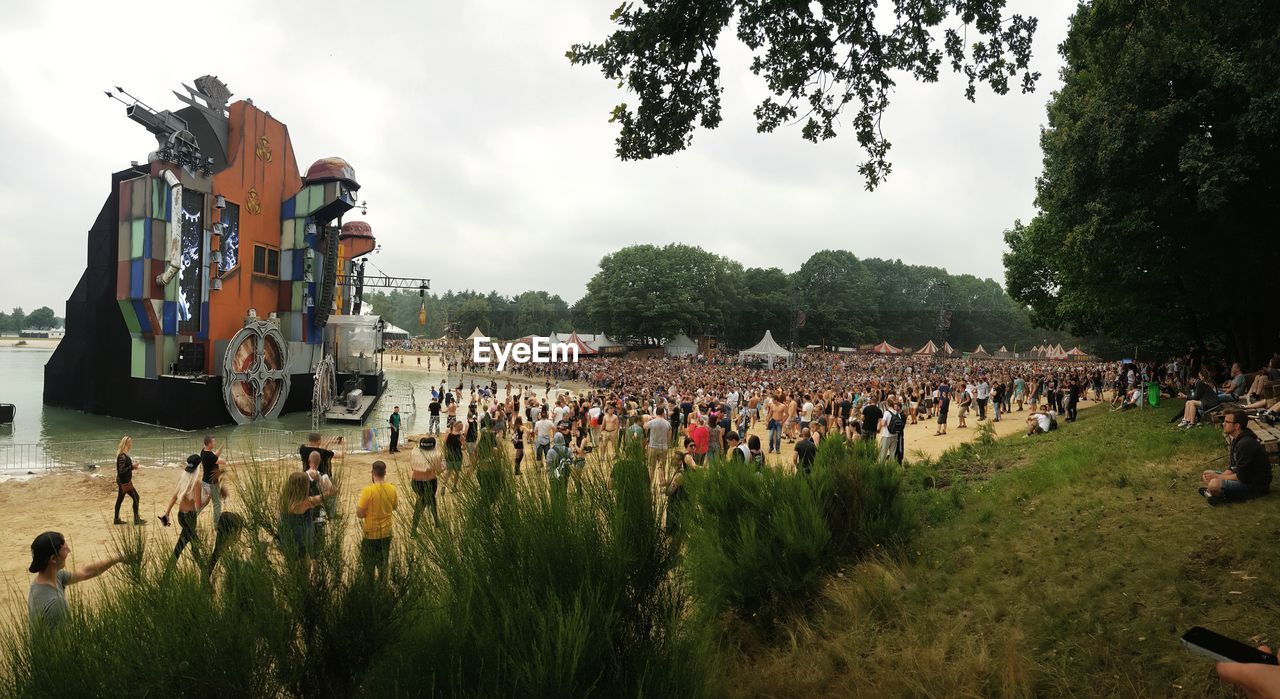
<point x="241" y="446"/>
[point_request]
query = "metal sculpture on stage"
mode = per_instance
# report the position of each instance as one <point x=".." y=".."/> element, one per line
<point x="254" y="380"/>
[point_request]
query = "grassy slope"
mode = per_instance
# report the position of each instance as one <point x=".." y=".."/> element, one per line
<point x="1062" y="565"/>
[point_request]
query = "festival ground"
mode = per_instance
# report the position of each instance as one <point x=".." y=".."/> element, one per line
<point x="80" y="505"/>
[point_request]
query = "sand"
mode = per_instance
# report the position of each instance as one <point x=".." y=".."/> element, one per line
<point x="80" y="504"/>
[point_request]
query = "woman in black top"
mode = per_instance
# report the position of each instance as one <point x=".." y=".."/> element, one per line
<point x="473" y="429"/>
<point x="124" y="479"/>
<point x="517" y="441"/>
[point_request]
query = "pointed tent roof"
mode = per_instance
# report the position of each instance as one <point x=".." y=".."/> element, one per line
<point x="885" y="348"/>
<point x="1077" y="352"/>
<point x="980" y="352"/>
<point x="1002" y="349"/>
<point x="766" y="347"/>
<point x="928" y="348"/>
<point x="948" y="350"/>
<point x="601" y="341"/>
<point x="680" y="345"/>
<point x="584" y="349"/>
<point x="476" y="333"/>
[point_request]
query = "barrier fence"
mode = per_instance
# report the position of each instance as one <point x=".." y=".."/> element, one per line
<point x="237" y="447"/>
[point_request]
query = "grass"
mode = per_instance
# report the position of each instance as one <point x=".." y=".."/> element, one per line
<point x="1068" y="565"/>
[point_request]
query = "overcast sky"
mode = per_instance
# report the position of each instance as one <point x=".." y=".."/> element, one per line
<point x="486" y="159"/>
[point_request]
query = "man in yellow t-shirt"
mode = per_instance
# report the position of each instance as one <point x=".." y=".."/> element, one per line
<point x="374" y="508"/>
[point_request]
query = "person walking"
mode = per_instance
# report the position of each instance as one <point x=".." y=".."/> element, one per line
<point x="211" y="475"/>
<point x="189" y="497"/>
<point x="375" y="507"/>
<point x="433" y="410"/>
<point x="124" y="480"/>
<point x="394" y="420"/>
<point x="425" y="466"/>
<point x="47" y="598"/>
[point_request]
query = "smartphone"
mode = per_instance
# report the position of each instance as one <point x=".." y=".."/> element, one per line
<point x="1221" y="648"/>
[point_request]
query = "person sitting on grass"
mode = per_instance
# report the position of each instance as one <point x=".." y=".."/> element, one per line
<point x="1202" y="397"/>
<point x="1248" y="473"/>
<point x="1041" y="421"/>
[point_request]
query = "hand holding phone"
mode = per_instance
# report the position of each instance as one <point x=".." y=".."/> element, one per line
<point x="1205" y="642"/>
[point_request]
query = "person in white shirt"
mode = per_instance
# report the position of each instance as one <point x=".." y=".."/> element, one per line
<point x="982" y="392"/>
<point x="1040" y="421"/>
<point x="542" y="430"/>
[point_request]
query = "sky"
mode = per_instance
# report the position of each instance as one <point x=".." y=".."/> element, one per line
<point x="487" y="161"/>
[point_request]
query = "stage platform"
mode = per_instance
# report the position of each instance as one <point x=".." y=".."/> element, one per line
<point x="340" y="413"/>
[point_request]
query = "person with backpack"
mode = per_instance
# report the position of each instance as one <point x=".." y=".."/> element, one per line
<point x="889" y="436"/>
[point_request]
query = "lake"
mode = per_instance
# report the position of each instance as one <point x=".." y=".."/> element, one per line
<point x="44" y="437"/>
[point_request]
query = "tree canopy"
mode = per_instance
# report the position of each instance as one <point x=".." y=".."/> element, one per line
<point x="1158" y="202"/>
<point x="645" y="293"/>
<point x="816" y="58"/>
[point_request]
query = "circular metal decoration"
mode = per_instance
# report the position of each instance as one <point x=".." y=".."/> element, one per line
<point x="255" y="381"/>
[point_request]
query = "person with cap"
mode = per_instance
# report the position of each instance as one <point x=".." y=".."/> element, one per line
<point x="424" y="466"/>
<point x="189" y="497"/>
<point x="47" y="598"/>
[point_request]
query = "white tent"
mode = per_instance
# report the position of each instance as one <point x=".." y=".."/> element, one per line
<point x="680" y="346"/>
<point x="392" y="332"/>
<point x="476" y="333"/>
<point x="767" y="348"/>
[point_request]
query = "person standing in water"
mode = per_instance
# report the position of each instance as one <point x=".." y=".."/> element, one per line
<point x="124" y="479"/>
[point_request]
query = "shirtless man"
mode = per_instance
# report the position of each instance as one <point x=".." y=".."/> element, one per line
<point x="610" y="428"/>
<point x="793" y="418"/>
<point x="777" y="421"/>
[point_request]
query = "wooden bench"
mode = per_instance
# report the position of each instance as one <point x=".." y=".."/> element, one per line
<point x="1269" y="436"/>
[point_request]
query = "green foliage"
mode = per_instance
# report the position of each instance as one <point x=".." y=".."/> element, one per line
<point x="755" y="543"/>
<point x="529" y="313"/>
<point x="1156" y="196"/>
<point x="835" y="292"/>
<point x="42" y="319"/>
<point x="761" y="545"/>
<point x="815" y="60"/>
<point x="646" y="294"/>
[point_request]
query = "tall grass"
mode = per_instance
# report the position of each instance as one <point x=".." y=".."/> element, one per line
<point x="523" y="589"/>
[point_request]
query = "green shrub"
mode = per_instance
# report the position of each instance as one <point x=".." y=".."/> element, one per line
<point x="756" y="542"/>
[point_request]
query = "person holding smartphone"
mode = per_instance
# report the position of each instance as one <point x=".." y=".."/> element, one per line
<point x="1256" y="680"/>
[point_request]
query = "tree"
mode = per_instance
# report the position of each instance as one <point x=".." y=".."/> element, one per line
<point x="472" y="314"/>
<point x="42" y="318"/>
<point x="1158" y="199"/>
<point x="767" y="303"/>
<point x="17" y="320"/>
<point x="837" y="295"/>
<point x="645" y="294"/>
<point x="818" y="57"/>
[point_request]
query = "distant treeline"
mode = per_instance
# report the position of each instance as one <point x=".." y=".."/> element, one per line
<point x="644" y="293"/>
